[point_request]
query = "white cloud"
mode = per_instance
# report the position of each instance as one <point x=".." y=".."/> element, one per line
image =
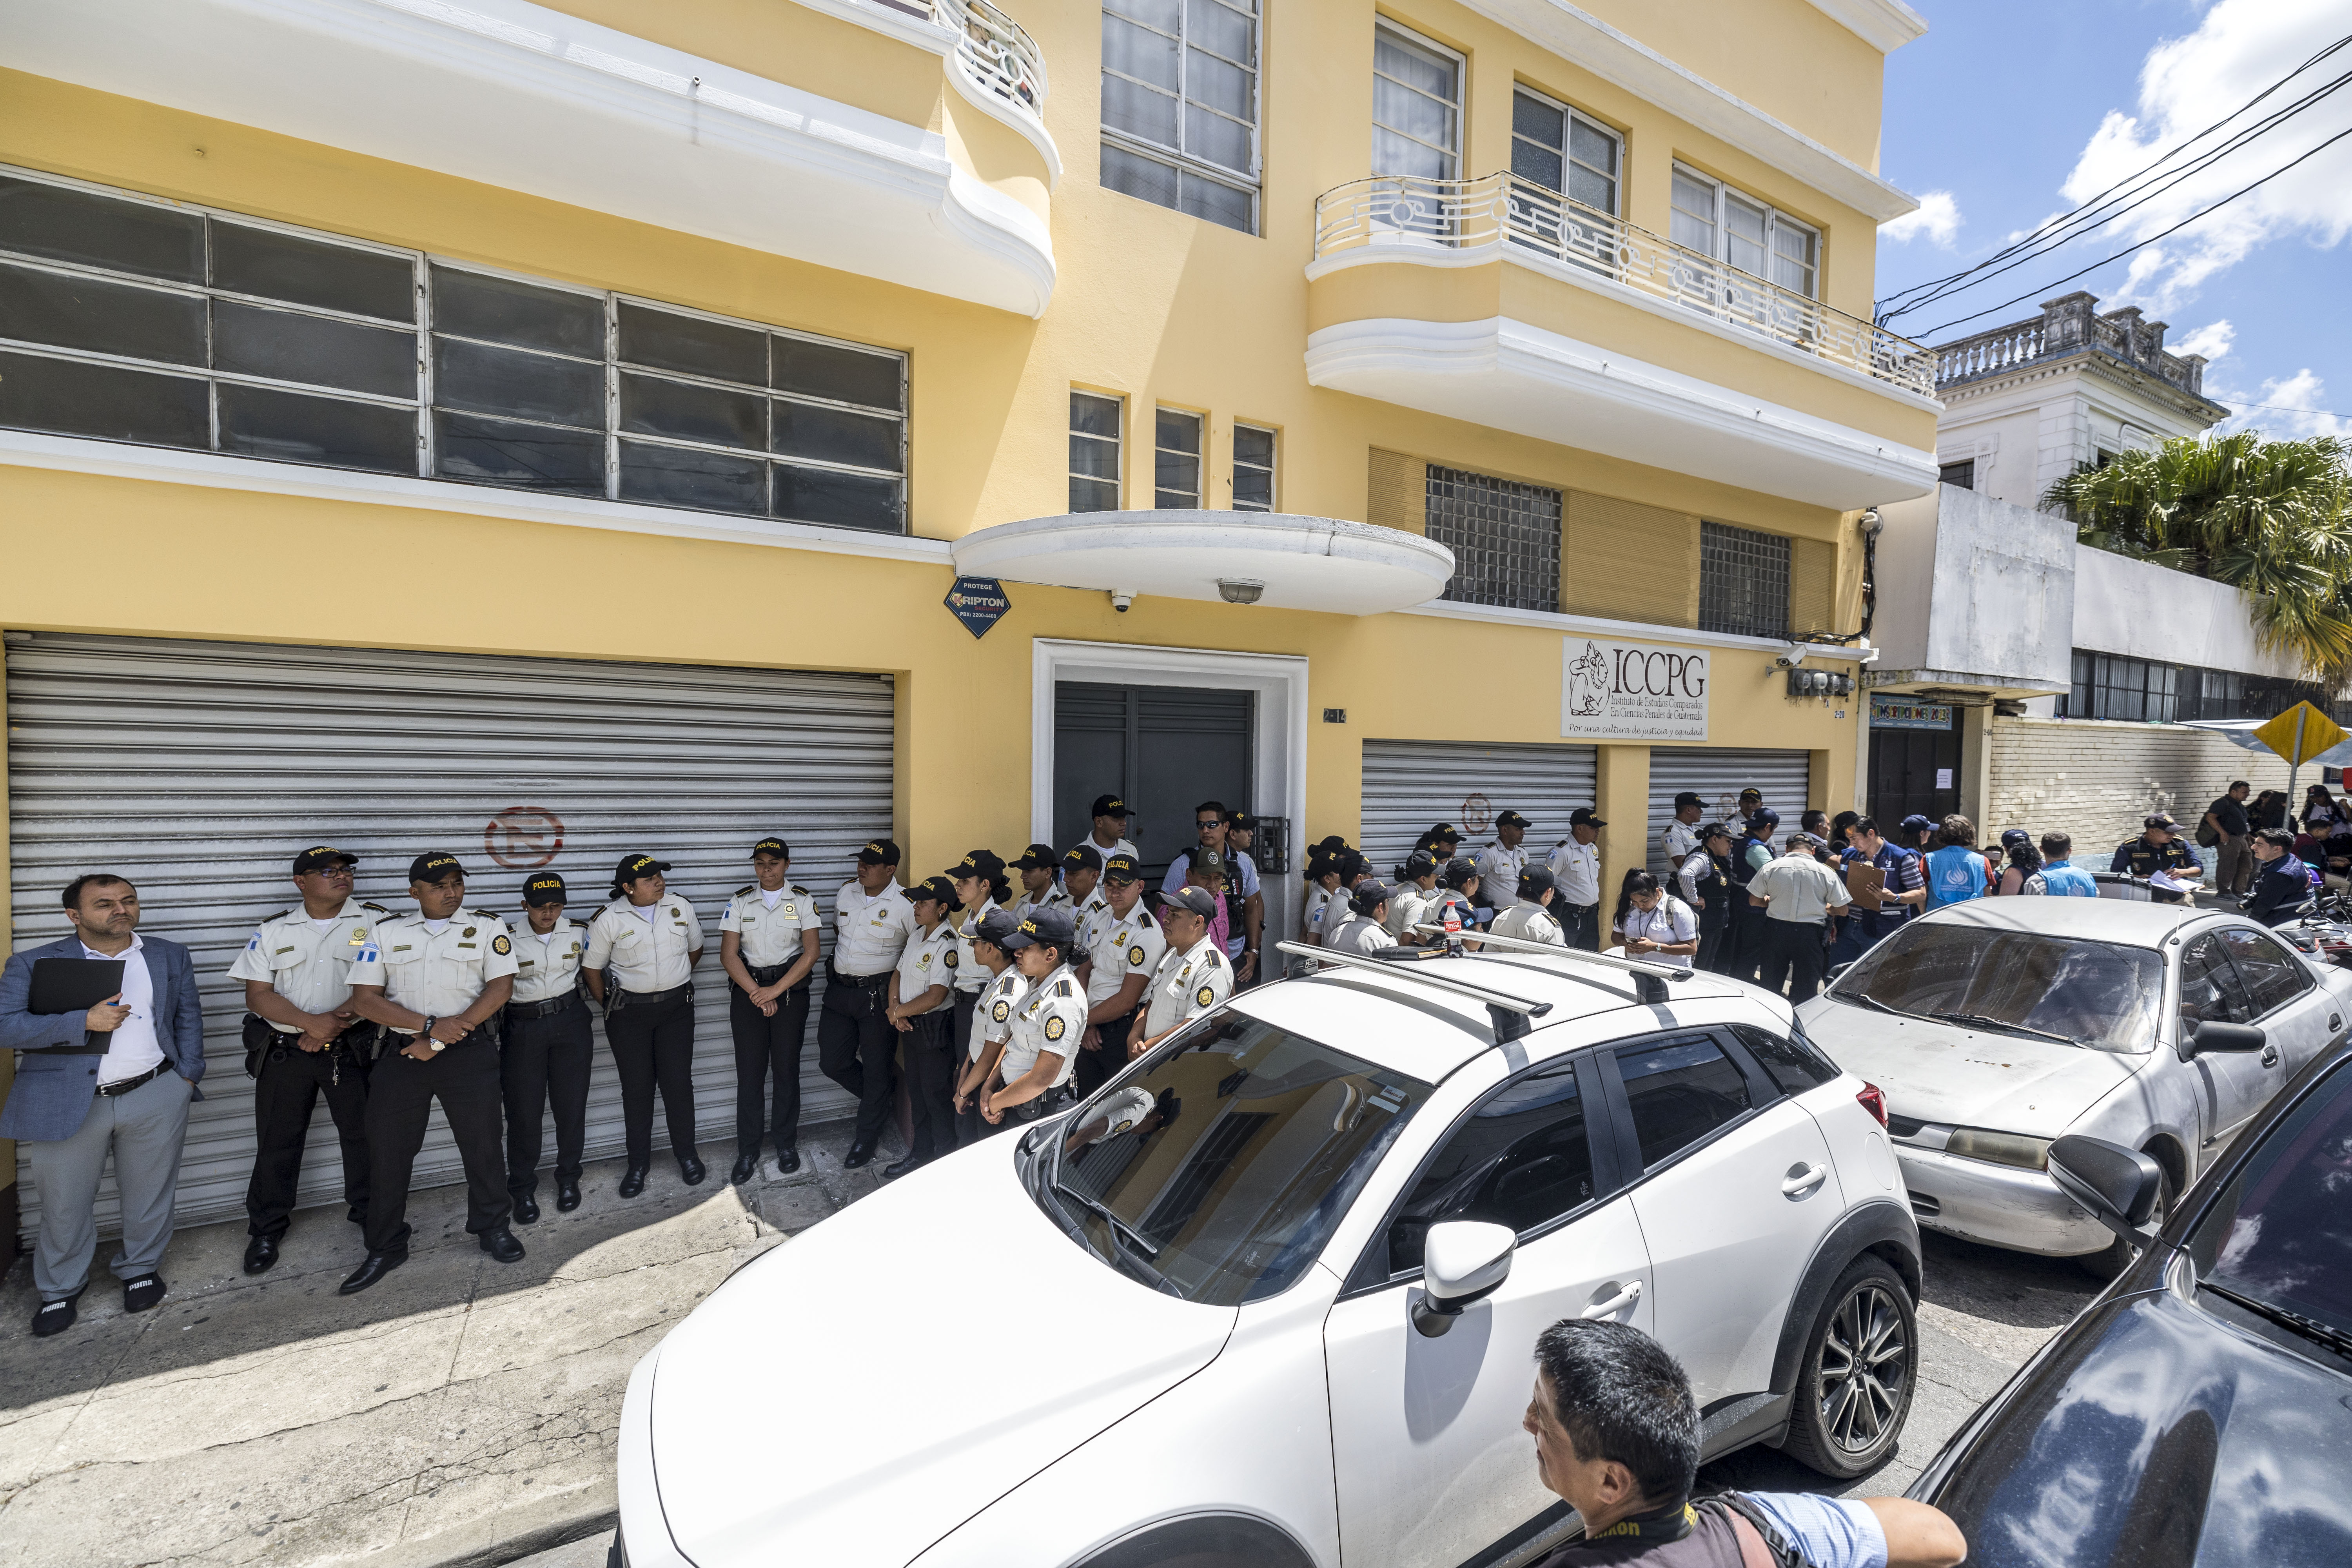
<point x="2307" y="395"/>
<point x="2213" y="339"/>
<point x="1937" y="216"/>
<point x="2188" y="83"/>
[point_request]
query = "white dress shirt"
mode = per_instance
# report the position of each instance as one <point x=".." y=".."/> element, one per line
<point x="546" y="967"/>
<point x="1577" y="868"/>
<point x="1672" y="921"/>
<point x="646" y="948"/>
<point x="870" y="930"/>
<point x="134" y="1047"/>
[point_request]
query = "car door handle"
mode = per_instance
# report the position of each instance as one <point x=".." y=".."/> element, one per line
<point x="1617" y="1303"/>
<point x="1803" y="1180"/>
<point x="2269" y="1056"/>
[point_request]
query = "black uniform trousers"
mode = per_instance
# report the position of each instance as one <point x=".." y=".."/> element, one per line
<point x="1744" y="946"/>
<point x="1096" y="1068"/>
<point x="971" y="1124"/>
<point x="763" y="1045"/>
<point x="1714" y="936"/>
<point x="401" y="1092"/>
<point x="284" y="1094"/>
<point x="856" y="1044"/>
<point x="652" y="1037"/>
<point x="545" y="1060"/>
<point x="927" y="1048"/>
<point x="1794" y="955"/>
<point x="1582" y="923"/>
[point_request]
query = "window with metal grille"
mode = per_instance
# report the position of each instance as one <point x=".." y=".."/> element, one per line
<point x="1176" y="460"/>
<point x="126" y="319"/>
<point x="1505" y="537"/>
<point x="1253" y="468"/>
<point x="1093" y="452"/>
<point x="2147" y="690"/>
<point x="1180" y="106"/>
<point x="1743" y="581"/>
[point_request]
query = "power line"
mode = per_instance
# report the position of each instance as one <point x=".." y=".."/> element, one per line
<point x="2151" y="239"/>
<point x="2280" y="407"/>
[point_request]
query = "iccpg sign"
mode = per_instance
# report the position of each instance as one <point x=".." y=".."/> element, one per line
<point x="1632" y="691"/>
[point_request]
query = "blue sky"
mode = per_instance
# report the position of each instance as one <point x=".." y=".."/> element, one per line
<point x="2010" y="111"/>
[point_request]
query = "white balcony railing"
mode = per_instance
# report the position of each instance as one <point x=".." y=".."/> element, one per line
<point x="1504" y="210"/>
<point x="996" y="53"/>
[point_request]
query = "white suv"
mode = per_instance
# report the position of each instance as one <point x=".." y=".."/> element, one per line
<point x="1289" y="1317"/>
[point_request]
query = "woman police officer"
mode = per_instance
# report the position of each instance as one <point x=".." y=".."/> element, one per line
<point x="1037" y="1062"/>
<point x="642" y="949"/>
<point x="768" y="946"/>
<point x="923" y="984"/>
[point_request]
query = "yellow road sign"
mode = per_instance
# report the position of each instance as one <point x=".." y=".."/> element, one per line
<point x="2301" y="733"/>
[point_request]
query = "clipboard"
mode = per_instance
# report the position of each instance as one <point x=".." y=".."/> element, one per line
<point x="66" y="985"/>
<point x="1863" y="883"/>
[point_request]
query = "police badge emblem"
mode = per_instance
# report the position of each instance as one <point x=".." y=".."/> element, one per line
<point x="1055" y="1027"/>
<point x="1205" y="996"/>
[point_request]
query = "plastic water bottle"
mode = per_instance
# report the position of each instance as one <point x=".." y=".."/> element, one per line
<point x="1453" y="918"/>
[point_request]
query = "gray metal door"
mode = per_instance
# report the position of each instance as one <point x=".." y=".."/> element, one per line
<point x="1163" y="749"/>
<point x="1720" y="774"/>
<point x="1411" y="785"/>
<point x="198" y="769"/>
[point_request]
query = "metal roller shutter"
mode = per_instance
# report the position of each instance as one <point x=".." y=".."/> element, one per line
<point x="198" y="769"/>
<point x="1719" y="774"/>
<point x="1411" y="785"/>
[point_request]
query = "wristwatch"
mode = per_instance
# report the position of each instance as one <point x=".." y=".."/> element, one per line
<point x="429" y="1040"/>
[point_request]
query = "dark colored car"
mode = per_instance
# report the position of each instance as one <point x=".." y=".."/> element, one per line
<point x="2200" y="1412"/>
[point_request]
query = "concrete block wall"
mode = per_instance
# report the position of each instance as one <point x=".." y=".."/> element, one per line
<point x="2096" y="780"/>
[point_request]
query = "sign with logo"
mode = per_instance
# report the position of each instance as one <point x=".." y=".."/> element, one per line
<point x="979" y="603"/>
<point x="523" y="836"/>
<point x="1901" y="713"/>
<point x="1632" y="691"/>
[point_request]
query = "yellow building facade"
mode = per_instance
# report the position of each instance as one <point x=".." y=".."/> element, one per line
<point x="1580" y="295"/>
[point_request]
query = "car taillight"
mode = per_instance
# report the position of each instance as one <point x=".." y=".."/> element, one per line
<point x="1872" y="1101"/>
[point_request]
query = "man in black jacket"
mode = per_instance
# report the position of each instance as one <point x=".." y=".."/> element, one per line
<point x="2281" y="886"/>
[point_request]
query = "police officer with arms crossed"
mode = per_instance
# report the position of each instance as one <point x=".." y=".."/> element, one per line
<point x="545" y="1047"/>
<point x="1530" y="918"/>
<point x="991" y="1024"/>
<point x="302" y="1040"/>
<point x="1035" y="1068"/>
<point x="1192" y="977"/>
<point x="650" y="940"/>
<point x="1125" y="948"/>
<point x="1365" y="930"/>
<point x="434" y="980"/>
<point x="768" y="946"/>
<point x="855" y="1041"/>
<point x="1500" y="863"/>
<point x="1681" y="838"/>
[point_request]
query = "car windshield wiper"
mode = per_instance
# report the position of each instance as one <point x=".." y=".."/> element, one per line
<point x="1984" y="1021"/>
<point x="2327" y="1334"/>
<point x="1864" y="999"/>
<point x="1143" y="1242"/>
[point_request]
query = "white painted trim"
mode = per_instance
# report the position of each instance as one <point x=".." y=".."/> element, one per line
<point x="1647" y="631"/>
<point x="1585" y="39"/>
<point x="214" y="470"/>
<point x="995" y="105"/>
<point x="1279" y="765"/>
<point x="1884" y="25"/>
<point x="1510" y="376"/>
<point x="924" y="33"/>
<point x="1486" y="252"/>
<point x="527" y="98"/>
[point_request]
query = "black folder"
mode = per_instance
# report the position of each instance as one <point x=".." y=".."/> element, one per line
<point x="75" y="985"/>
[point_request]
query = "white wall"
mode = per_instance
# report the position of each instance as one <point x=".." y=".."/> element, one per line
<point x="2131" y="607"/>
<point x="1973" y="591"/>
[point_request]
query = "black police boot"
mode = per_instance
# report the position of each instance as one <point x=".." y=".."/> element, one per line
<point x="746" y="1168"/>
<point x="526" y="1208"/>
<point x="859" y="1153"/>
<point x="501" y="1245"/>
<point x="261" y="1253"/>
<point x="690" y="1169"/>
<point x="374" y="1268"/>
<point x="633" y="1181"/>
<point x="788" y="1159"/>
<point x="911" y="1162"/>
<point x="567" y="1194"/>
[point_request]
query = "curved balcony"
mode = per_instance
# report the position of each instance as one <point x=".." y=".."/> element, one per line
<point x="1501" y="302"/>
<point x="1002" y="71"/>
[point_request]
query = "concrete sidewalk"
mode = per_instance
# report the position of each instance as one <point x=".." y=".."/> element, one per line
<point x="462" y="1411"/>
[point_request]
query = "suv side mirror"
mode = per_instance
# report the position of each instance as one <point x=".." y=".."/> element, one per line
<point x="2114" y="1186"/>
<point x="1461" y="1261"/>
<point x="2218" y="1037"/>
<point x="1837" y="969"/>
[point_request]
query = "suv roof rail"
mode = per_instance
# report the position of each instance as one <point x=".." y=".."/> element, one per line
<point x="1510" y="1012"/>
<point x="1649" y="979"/>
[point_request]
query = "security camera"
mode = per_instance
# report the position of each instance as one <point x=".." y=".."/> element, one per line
<point x="1120" y="598"/>
<point x="1790" y="659"/>
<point x="1871" y="521"/>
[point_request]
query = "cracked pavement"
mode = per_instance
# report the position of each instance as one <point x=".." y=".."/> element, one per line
<point x="461" y="1412"/>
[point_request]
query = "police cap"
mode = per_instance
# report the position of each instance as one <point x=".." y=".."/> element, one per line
<point x="997" y="924"/>
<point x="1459" y="870"/>
<point x="1916" y="824"/>
<point x="2160" y="819"/>
<point x="937" y="890"/>
<point x="878" y="852"/>
<point x="543" y="888"/>
<point x="1371" y="893"/>
<point x="1535" y="882"/>
<point x="985" y="864"/>
<point x="1690" y="797"/>
<point x="1419" y="864"/>
<point x="1511" y="819"/>
<point x="1585" y="817"/>
<point x="772" y="844"/>
<point x="433" y="866"/>
<point x="1084" y="857"/>
<point x="1035" y="856"/>
<point x="636" y="866"/>
<point x="319" y="857"/>
<point x="1764" y="817"/>
<point x="1041" y="925"/>
<point x="1193" y="900"/>
<point x="1110" y="806"/>
<point x="1122" y="868"/>
<point x="1211" y="863"/>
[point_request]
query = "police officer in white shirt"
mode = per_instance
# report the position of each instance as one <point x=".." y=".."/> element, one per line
<point x="1529" y="918"/>
<point x="1125" y="949"/>
<point x="1681" y="839"/>
<point x="1500" y="863"/>
<point x="768" y="946"/>
<point x="1109" y="835"/>
<point x="436" y="980"/>
<point x="1459" y="882"/>
<point x="1192" y="977"/>
<point x="302" y="1040"/>
<point x="855" y="1041"/>
<point x="546" y="1048"/>
<point x="1036" y="1069"/>
<point x="1366" y="928"/>
<point x="1658" y="925"/>
<point x="1324" y="880"/>
<point x="1041" y="881"/>
<point x="919" y="1012"/>
<point x="1082" y="880"/>
<point x="649" y="939"/>
<point x="981" y="890"/>
<point x="991" y="1024"/>
<point x="1416" y="893"/>
<point x="1576" y="871"/>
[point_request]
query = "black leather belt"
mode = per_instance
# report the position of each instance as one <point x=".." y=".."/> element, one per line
<point x="125" y="1085"/>
<point x="649" y="998"/>
<point x="769" y="974"/>
<point x="521" y="1011"/>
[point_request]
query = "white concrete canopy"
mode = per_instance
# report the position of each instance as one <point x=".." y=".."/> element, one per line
<point x="1302" y="563"/>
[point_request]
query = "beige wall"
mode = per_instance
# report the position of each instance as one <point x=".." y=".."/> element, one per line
<point x="2096" y="780"/>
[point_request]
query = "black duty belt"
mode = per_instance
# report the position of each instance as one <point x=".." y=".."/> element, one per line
<point x="769" y="974"/>
<point x="843" y="977"/>
<point x="125" y="1085"/>
<point x="522" y="1011"/>
<point x="651" y="998"/>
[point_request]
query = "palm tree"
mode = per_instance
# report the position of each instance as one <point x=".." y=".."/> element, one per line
<point x="2271" y="518"/>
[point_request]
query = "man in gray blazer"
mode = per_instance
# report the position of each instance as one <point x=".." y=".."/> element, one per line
<point x="116" y="1078"/>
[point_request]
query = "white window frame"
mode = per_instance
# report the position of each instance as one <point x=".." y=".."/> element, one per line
<point x="1272" y="468"/>
<point x="1199" y="454"/>
<point x="1775" y="220"/>
<point x="1566" y="156"/>
<point x="1461" y="63"/>
<point x="1117" y="444"/>
<point x="1250" y="182"/>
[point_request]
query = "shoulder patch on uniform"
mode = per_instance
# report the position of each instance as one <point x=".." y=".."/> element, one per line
<point x="501" y="946"/>
<point x="1001" y="1011"/>
<point x="1062" y="988"/>
<point x="952" y="957"/>
<point x="1215" y="958"/>
<point x="1055" y="1027"/>
<point x="377" y="908"/>
<point x="797" y="887"/>
<point x="1206" y="997"/>
<point x="1135" y="955"/>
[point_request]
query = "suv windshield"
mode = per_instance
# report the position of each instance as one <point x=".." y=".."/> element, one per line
<point x="1217" y="1173"/>
<point x="2279" y="1236"/>
<point x="2095" y="994"/>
